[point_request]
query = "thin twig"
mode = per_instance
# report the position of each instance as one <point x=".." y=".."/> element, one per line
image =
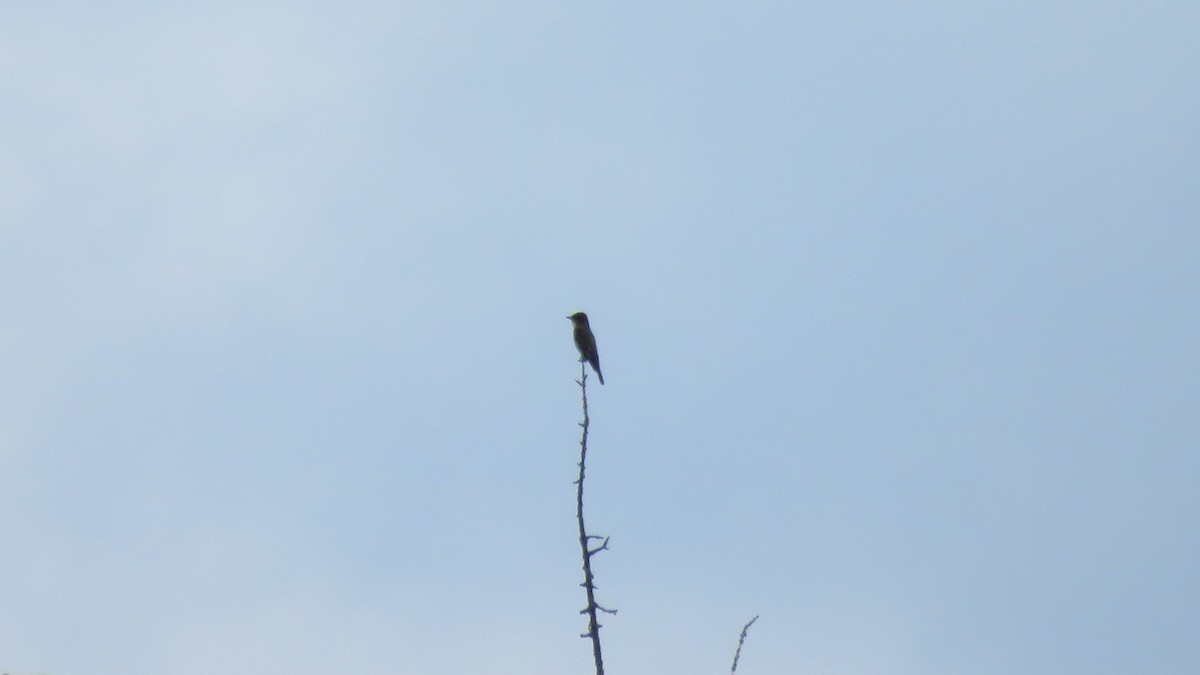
<point x="586" y="551"/>
<point x="741" y="640"/>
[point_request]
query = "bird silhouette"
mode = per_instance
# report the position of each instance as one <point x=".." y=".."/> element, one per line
<point x="586" y="342"/>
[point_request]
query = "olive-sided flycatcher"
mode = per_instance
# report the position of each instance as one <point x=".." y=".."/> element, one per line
<point x="586" y="342"/>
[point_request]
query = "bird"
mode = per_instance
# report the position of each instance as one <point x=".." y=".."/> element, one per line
<point x="586" y="342"/>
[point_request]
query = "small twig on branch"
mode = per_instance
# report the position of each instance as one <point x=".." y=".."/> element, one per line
<point x="741" y="640"/>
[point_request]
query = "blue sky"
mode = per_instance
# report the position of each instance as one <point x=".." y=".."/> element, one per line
<point x="896" y="307"/>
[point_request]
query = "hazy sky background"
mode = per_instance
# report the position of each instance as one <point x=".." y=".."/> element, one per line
<point x="897" y="308"/>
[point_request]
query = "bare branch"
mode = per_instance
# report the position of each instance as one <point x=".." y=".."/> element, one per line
<point x="587" y="552"/>
<point x="741" y="640"/>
